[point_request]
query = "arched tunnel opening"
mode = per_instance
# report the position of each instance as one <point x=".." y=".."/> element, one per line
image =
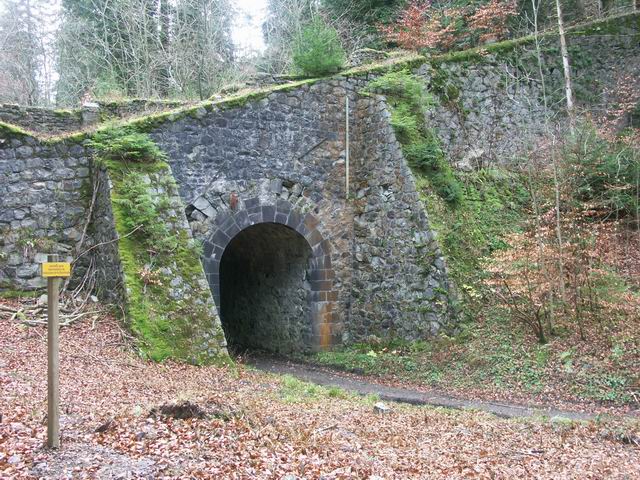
<point x="265" y="290"/>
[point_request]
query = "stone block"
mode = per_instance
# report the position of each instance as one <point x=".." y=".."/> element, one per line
<point x="268" y="213"/>
<point x="201" y="204"/>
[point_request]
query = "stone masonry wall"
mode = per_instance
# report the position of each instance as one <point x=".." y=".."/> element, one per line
<point x="44" y="192"/>
<point x="289" y="150"/>
<point x="477" y="114"/>
<point x="42" y="120"/>
<point x="57" y="122"/>
<point x="173" y="315"/>
<point x="489" y="107"/>
<point x="285" y="151"/>
<point x="129" y="108"/>
<point x="110" y="284"/>
<point x="400" y="287"/>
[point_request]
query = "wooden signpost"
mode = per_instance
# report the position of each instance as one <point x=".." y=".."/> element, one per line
<point x="54" y="271"/>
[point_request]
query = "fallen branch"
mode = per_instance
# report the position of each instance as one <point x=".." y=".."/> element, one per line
<point x="106" y="243"/>
<point x="324" y="429"/>
<point x="66" y="319"/>
<point x="16" y="314"/>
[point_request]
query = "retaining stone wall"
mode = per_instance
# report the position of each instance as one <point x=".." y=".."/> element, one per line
<point x="44" y="194"/>
<point x="489" y="108"/>
<point x="110" y="284"/>
<point x="400" y="287"/>
<point x="57" y="122"/>
<point x="179" y="318"/>
<point x="130" y="108"/>
<point x="42" y="120"/>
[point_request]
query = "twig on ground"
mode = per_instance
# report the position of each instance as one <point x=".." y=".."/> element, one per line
<point x="324" y="429"/>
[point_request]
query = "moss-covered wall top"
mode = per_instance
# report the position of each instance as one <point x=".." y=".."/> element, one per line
<point x="52" y="122"/>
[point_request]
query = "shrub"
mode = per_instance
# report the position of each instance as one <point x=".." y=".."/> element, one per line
<point x="405" y="124"/>
<point x="125" y="144"/>
<point x="427" y="157"/>
<point x="604" y="172"/>
<point x="317" y="50"/>
<point x="525" y="280"/>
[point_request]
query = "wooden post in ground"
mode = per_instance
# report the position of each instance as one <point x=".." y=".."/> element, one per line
<point x="53" y="359"/>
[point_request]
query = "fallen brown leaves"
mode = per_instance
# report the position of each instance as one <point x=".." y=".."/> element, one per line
<point x="247" y="431"/>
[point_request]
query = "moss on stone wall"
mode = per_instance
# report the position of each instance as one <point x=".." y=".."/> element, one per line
<point x="407" y="100"/>
<point x="447" y="91"/>
<point x="8" y="132"/>
<point x="168" y="303"/>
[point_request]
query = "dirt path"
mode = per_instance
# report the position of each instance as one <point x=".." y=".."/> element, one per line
<point x="325" y="377"/>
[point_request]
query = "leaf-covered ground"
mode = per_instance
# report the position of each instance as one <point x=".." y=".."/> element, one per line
<point x="260" y="426"/>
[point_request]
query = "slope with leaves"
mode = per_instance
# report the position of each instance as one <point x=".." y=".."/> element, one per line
<point x="259" y="426"/>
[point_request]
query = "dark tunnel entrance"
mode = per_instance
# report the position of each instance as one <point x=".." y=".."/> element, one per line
<point x="265" y="290"/>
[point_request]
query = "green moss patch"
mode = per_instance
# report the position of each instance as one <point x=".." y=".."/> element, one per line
<point x="391" y="64"/>
<point x="8" y="131"/>
<point x="407" y="100"/>
<point x="495" y="203"/>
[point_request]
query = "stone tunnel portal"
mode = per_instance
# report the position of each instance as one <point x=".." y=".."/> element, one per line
<point x="265" y="289"/>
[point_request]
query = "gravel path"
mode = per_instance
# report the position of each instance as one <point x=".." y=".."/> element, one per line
<point x="322" y="376"/>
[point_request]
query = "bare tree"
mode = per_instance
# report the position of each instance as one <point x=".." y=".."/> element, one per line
<point x="23" y="77"/>
<point x="568" y="90"/>
<point x="144" y="48"/>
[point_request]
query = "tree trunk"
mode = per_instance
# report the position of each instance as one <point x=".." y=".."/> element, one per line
<point x="164" y="24"/>
<point x="568" y="90"/>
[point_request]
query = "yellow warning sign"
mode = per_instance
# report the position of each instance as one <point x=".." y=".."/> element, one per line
<point x="56" y="269"/>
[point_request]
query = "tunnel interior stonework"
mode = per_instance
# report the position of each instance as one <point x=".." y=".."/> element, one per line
<point x="265" y="290"/>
